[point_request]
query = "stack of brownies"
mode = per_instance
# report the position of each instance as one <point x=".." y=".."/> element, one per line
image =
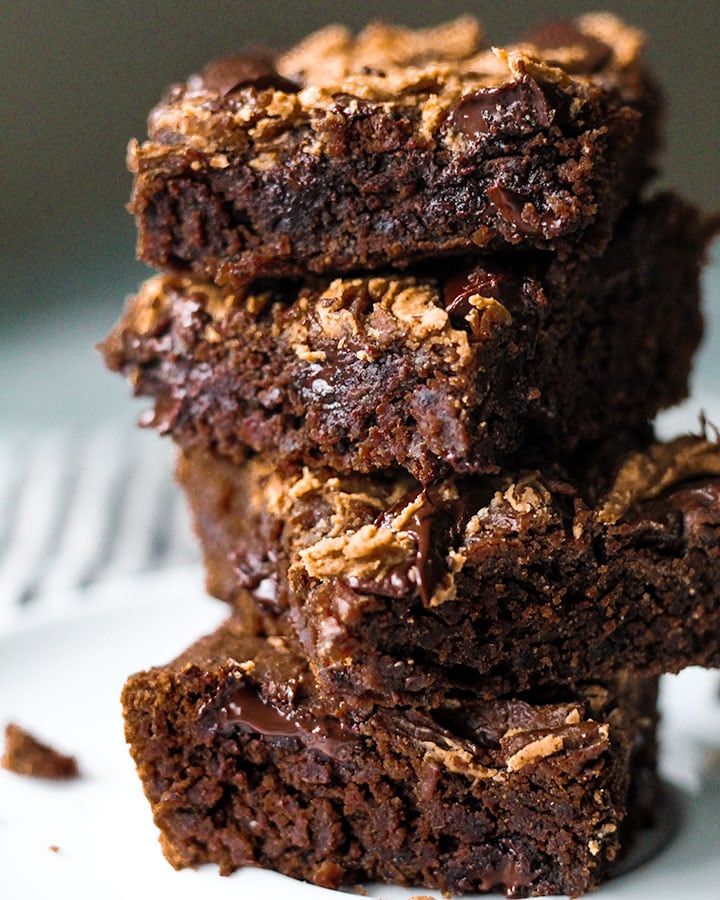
<point x="413" y="320"/>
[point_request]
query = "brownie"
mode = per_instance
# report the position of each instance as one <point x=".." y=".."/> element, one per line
<point x="244" y="766"/>
<point x="356" y="152"/>
<point x="487" y="584"/>
<point x="450" y="368"/>
<point x="26" y="755"/>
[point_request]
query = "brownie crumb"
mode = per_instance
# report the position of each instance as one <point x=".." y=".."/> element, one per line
<point x="25" y="755"/>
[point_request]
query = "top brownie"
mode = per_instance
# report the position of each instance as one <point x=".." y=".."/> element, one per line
<point x="356" y="152"/>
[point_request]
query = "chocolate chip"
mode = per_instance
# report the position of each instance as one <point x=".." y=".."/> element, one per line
<point x="476" y="281"/>
<point x="429" y="563"/>
<point x="433" y="525"/>
<point x="521" y="215"/>
<point x="690" y="508"/>
<point x="235" y="72"/>
<point x="240" y="707"/>
<point x="519" y="107"/>
<point x="566" y="35"/>
<point x="698" y="504"/>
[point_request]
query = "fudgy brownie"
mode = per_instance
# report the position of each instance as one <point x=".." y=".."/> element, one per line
<point x="348" y="153"/>
<point x="243" y="765"/>
<point x="486" y="584"/>
<point x="449" y="368"/>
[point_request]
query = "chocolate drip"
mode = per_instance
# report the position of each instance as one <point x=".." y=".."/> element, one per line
<point x="518" y="108"/>
<point x="430" y="564"/>
<point x="242" y="707"/>
<point x="235" y="72"/>
<point x="422" y="572"/>
<point x="511" y="870"/>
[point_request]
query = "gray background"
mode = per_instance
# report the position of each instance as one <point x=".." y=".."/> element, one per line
<point x="78" y="79"/>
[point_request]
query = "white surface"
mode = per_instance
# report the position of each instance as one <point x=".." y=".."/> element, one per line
<point x="61" y="676"/>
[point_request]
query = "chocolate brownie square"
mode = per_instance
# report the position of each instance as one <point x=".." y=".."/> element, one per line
<point x="452" y="367"/>
<point x="489" y="584"/>
<point x="357" y="152"/>
<point x="243" y="765"/>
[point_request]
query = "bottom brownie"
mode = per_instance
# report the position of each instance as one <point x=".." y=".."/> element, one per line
<point x="242" y="766"/>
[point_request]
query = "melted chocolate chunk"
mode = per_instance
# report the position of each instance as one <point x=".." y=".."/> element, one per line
<point x="433" y="526"/>
<point x="235" y="72"/>
<point x="511" y="871"/>
<point x="460" y="287"/>
<point x="242" y="707"/>
<point x="520" y="107"/>
<point x="521" y="214"/>
<point x="245" y="707"/>
<point x="426" y="569"/>
<point x="478" y="281"/>
<point x="566" y="35"/>
<point x="691" y="506"/>
<point x="430" y="564"/>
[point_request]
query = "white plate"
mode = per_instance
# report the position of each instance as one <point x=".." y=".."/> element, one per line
<point x="61" y="678"/>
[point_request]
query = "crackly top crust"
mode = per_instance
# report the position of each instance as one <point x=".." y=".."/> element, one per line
<point x="380" y="532"/>
<point x="400" y="308"/>
<point x="644" y="476"/>
<point x="356" y="152"/>
<point x="423" y="74"/>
